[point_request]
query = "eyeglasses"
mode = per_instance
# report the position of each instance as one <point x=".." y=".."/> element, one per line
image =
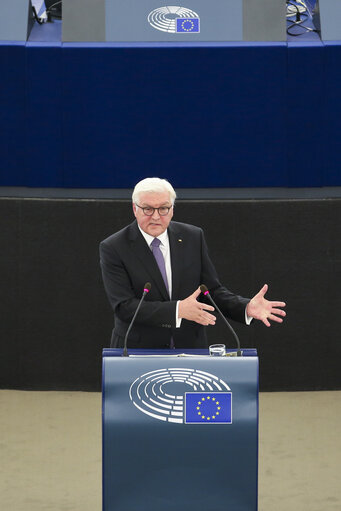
<point x="149" y="211"/>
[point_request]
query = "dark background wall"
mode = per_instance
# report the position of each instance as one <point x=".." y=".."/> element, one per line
<point x="55" y="318"/>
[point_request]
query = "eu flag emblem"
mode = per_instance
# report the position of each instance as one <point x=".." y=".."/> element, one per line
<point x="186" y="25"/>
<point x="208" y="407"/>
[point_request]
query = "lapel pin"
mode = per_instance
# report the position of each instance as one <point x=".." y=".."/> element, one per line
<point x="180" y="240"/>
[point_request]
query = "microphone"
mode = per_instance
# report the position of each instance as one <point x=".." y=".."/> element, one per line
<point x="146" y="290"/>
<point x="206" y="292"/>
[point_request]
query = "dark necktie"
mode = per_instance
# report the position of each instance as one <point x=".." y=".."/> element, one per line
<point x="155" y="244"/>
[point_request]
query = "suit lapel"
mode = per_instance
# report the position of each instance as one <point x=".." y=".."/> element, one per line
<point x="145" y="255"/>
<point x="176" y="250"/>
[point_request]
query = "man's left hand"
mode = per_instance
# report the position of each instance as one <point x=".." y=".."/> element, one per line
<point x="261" y="308"/>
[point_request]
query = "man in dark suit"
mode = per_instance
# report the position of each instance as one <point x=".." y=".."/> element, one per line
<point x="173" y="257"/>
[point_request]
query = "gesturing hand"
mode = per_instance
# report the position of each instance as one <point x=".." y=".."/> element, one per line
<point x="262" y="309"/>
<point x="191" y="309"/>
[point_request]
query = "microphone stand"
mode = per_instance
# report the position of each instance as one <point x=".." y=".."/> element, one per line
<point x="206" y="292"/>
<point x="146" y="290"/>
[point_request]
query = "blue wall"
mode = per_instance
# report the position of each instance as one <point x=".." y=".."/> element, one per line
<point x="228" y="115"/>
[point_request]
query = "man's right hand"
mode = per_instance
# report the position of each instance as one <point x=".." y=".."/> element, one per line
<point x="191" y="309"/>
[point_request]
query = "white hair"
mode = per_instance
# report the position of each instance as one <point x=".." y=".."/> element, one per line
<point x="153" y="185"/>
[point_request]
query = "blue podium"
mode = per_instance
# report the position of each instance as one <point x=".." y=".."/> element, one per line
<point x="180" y="431"/>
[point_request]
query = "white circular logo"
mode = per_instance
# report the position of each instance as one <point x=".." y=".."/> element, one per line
<point x="161" y="393"/>
<point x="168" y="19"/>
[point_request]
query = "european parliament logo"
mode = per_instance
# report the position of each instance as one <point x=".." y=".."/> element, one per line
<point x="208" y="408"/>
<point x="182" y="395"/>
<point x="174" y="20"/>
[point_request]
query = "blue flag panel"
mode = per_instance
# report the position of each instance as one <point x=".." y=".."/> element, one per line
<point x="186" y="25"/>
<point x="208" y="408"/>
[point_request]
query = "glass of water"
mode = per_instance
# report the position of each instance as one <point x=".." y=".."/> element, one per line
<point x="217" y="350"/>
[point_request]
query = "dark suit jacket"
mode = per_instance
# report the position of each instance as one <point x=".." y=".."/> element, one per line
<point x="127" y="264"/>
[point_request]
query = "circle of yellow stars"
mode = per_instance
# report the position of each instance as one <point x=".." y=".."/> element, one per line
<point x="208" y="417"/>
<point x="187" y="29"/>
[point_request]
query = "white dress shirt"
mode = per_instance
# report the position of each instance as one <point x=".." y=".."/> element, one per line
<point x="165" y="249"/>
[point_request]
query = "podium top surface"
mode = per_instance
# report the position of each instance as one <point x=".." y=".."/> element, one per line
<point x="117" y="352"/>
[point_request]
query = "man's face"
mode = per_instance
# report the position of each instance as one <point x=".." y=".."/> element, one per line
<point x="154" y="224"/>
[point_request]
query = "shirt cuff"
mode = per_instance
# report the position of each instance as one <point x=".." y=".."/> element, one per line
<point x="248" y="319"/>
<point x="177" y="319"/>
